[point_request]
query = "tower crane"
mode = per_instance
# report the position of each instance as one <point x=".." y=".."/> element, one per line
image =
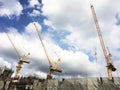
<point x="53" y="66"/>
<point x="108" y="56"/>
<point x="22" y="59"/>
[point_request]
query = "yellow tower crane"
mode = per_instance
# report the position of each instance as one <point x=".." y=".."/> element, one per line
<point x="52" y="65"/>
<point x="22" y="59"/>
<point x="110" y="67"/>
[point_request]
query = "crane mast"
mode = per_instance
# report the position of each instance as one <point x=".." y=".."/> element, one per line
<point x="21" y="59"/>
<point x="52" y="66"/>
<point x="107" y="55"/>
<point x="19" y="65"/>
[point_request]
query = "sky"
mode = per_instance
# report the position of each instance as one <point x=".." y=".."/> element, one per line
<point x="68" y="31"/>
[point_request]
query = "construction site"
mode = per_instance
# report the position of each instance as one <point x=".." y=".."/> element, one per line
<point x="8" y="81"/>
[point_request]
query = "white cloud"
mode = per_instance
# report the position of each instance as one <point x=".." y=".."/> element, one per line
<point x="9" y="8"/>
<point x="48" y="23"/>
<point x="34" y="13"/>
<point x="63" y="14"/>
<point x="30" y="28"/>
<point x="40" y="74"/>
<point x="4" y="63"/>
<point x="32" y="3"/>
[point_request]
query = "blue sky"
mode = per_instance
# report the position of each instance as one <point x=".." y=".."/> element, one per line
<point x="24" y="18"/>
<point x="67" y="28"/>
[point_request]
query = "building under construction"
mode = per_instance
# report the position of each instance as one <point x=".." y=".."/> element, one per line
<point x="34" y="83"/>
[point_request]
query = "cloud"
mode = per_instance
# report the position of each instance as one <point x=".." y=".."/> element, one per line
<point x="34" y="13"/>
<point x="33" y="3"/>
<point x="4" y="63"/>
<point x="29" y="29"/>
<point x="63" y="14"/>
<point x="48" y="23"/>
<point x="10" y="8"/>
